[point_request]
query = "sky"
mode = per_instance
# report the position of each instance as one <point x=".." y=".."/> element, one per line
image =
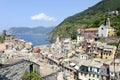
<point x="33" y="13"/>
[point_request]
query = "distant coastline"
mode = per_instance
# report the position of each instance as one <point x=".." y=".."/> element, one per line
<point x="36" y="39"/>
<point x="29" y="34"/>
<point x="28" y="31"/>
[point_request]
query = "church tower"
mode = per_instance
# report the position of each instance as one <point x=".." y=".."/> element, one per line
<point x="107" y="22"/>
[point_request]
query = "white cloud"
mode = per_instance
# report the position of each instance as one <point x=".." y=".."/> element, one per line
<point x="42" y="17"/>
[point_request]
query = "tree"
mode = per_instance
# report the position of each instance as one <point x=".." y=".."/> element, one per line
<point x="31" y="76"/>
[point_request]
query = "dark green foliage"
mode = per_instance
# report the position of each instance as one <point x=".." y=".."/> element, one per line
<point x="92" y="17"/>
<point x="114" y="44"/>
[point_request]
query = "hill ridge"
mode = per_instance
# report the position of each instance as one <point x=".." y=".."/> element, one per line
<point x="92" y="17"/>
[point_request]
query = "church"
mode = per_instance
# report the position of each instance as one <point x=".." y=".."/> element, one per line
<point x="105" y="30"/>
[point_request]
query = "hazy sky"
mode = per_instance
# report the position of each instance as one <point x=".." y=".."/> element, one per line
<point x="32" y="13"/>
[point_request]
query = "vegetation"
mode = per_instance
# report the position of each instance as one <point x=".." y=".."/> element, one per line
<point x="31" y="76"/>
<point x="114" y="44"/>
<point x="2" y="38"/>
<point x="92" y="17"/>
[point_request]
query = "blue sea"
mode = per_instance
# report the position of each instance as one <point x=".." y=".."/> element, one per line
<point x="36" y="39"/>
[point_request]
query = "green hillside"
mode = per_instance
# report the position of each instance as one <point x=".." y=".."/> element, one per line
<point x="92" y="17"/>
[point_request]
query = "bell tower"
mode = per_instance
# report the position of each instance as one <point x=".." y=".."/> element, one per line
<point x="107" y="22"/>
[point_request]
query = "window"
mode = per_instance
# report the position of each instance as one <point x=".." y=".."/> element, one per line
<point x="89" y="74"/>
<point x="109" y="54"/>
<point x="101" y="28"/>
<point x="106" y="57"/>
<point x="93" y="75"/>
<point x="97" y="70"/>
<point x="97" y="76"/>
<point x="81" y="74"/>
<point x="90" y="69"/>
<point x="106" y="54"/>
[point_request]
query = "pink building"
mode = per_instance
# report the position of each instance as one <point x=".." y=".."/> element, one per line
<point x="88" y="32"/>
<point x="2" y="47"/>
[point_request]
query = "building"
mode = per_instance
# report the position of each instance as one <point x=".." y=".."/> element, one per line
<point x="36" y="49"/>
<point x="90" y="32"/>
<point x="94" y="69"/>
<point x="113" y="13"/>
<point x="2" y="47"/>
<point x="84" y="56"/>
<point x="87" y="33"/>
<point x="97" y="71"/>
<point x="115" y="70"/>
<point x="106" y="51"/>
<point x="80" y="36"/>
<point x="83" y="70"/>
<point x="9" y="38"/>
<point x="83" y="73"/>
<point x="106" y="30"/>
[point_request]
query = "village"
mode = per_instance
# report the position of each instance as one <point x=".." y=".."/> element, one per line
<point x="85" y="58"/>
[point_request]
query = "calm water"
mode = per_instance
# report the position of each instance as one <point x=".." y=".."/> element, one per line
<point x="35" y="39"/>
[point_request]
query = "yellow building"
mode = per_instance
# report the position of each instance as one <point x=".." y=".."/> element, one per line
<point x="111" y="32"/>
<point x="106" y="52"/>
<point x="71" y="54"/>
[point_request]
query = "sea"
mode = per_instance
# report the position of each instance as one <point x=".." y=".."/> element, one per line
<point x="36" y="39"/>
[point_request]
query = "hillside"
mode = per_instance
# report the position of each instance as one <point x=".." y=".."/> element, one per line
<point x="92" y="17"/>
<point x="26" y="30"/>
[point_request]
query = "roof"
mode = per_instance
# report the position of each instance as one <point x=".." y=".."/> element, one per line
<point x="107" y="47"/>
<point x="36" y="48"/>
<point x="84" y="62"/>
<point x="87" y="29"/>
<point x="98" y="63"/>
<point x="91" y="29"/>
